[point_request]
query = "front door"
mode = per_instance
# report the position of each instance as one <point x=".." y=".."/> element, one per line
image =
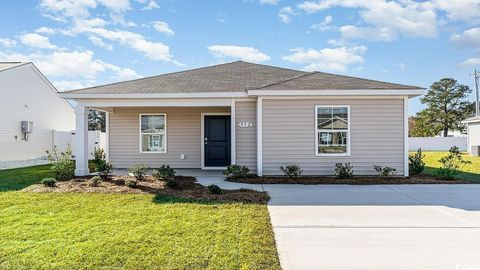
<point x="217" y="141"/>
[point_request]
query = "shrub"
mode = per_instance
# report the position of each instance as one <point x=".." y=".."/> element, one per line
<point x="291" y="170"/>
<point x="214" y="189"/>
<point x="138" y="171"/>
<point x="343" y="171"/>
<point x="120" y="182"/>
<point x="102" y="167"/>
<point x="63" y="166"/>
<point x="416" y="162"/>
<point x="164" y="173"/>
<point x="172" y="183"/>
<point x="49" y="182"/>
<point x="236" y="171"/>
<point x="95" y="181"/>
<point x="451" y="164"/>
<point x="385" y="171"/>
<point x="132" y="183"/>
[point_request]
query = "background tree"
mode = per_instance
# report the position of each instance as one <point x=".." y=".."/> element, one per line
<point x="96" y="120"/>
<point x="447" y="106"/>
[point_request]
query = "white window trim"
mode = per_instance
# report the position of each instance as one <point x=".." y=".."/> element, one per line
<point x="140" y="134"/>
<point x="347" y="154"/>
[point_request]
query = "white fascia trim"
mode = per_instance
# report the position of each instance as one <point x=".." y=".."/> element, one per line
<point x="97" y="103"/>
<point x="337" y="92"/>
<point x="470" y="121"/>
<point x="157" y="95"/>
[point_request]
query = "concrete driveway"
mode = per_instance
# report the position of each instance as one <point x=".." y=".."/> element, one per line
<point x="376" y="227"/>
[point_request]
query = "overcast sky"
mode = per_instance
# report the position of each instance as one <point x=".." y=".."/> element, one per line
<point x="79" y="43"/>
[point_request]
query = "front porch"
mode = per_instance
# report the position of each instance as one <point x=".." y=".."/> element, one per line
<point x="187" y="135"/>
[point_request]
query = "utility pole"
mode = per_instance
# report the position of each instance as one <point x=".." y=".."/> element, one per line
<point x="476" y="75"/>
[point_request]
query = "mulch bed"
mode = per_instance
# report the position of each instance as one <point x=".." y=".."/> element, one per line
<point x="359" y="180"/>
<point x="188" y="189"/>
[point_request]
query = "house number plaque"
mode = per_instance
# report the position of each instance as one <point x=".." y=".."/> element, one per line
<point x="245" y="124"/>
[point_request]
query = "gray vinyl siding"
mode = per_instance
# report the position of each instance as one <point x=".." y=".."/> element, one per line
<point x="246" y="138"/>
<point x="183" y="136"/>
<point x="377" y="135"/>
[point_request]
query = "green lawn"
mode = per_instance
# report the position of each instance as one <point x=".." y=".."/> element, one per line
<point x="15" y="179"/>
<point x="470" y="172"/>
<point x="127" y="231"/>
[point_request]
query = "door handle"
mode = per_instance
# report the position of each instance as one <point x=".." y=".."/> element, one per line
<point x="206" y="140"/>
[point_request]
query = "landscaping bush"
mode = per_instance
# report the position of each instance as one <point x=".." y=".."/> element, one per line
<point x="164" y="173"/>
<point x="102" y="167"/>
<point x="172" y="183"/>
<point x="95" y="181"/>
<point x="120" y="182"/>
<point x="63" y="166"/>
<point x="291" y="170"/>
<point x="451" y="164"/>
<point x="49" y="182"/>
<point x="385" y="171"/>
<point x="416" y="163"/>
<point x="237" y="171"/>
<point x="138" y="171"/>
<point x="343" y="171"/>
<point x="132" y="183"/>
<point x="214" y="189"/>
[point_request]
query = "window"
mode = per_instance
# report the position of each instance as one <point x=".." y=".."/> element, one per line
<point x="332" y="130"/>
<point x="153" y="133"/>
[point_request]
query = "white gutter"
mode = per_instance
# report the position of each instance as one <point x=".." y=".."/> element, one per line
<point x="253" y="93"/>
<point x="337" y="92"/>
<point x="157" y="95"/>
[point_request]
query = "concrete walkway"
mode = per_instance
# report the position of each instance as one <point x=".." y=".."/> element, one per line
<point x="373" y="227"/>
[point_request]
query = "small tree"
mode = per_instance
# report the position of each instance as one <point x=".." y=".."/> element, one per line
<point x="451" y="164"/>
<point x="62" y="164"/>
<point x="416" y="163"/>
<point x="447" y="106"/>
<point x="102" y="167"/>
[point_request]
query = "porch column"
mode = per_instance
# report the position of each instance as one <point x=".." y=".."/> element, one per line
<point x="81" y="140"/>
<point x="259" y="136"/>
<point x="405" y="137"/>
<point x="233" y="127"/>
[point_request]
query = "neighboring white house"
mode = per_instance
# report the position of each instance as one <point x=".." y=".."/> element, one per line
<point x="26" y="95"/>
<point x="473" y="129"/>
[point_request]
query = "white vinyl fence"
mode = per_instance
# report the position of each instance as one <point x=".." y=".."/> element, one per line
<point x="436" y="143"/>
<point x="96" y="139"/>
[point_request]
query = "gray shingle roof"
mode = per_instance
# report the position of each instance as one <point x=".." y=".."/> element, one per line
<point x="237" y="77"/>
<point x="325" y="81"/>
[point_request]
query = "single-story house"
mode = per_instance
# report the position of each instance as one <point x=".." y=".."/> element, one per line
<point x="31" y="110"/>
<point x="255" y="115"/>
<point x="473" y="131"/>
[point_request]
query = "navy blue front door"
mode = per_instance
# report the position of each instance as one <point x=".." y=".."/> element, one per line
<point x="217" y="141"/>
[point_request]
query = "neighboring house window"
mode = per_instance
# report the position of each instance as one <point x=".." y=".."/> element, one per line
<point x="332" y="130"/>
<point x="153" y="130"/>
